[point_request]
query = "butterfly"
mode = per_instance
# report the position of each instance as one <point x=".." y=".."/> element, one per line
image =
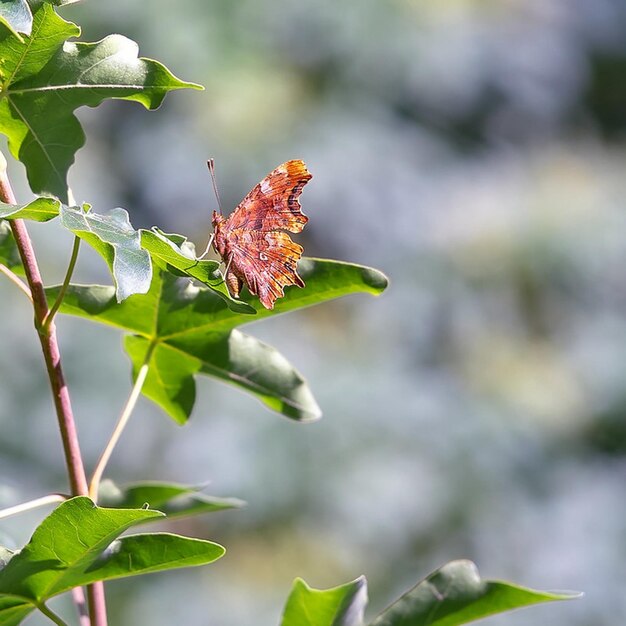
<point x="252" y="242"/>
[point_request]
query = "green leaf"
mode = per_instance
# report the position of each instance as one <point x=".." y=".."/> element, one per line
<point x="455" y="594"/>
<point x="178" y="256"/>
<point x="341" y="606"/>
<point x="172" y="499"/>
<point x="9" y="254"/>
<point x="233" y="357"/>
<point x="13" y="610"/>
<point x="133" y="555"/>
<point x="39" y="210"/>
<point x="45" y="79"/>
<point x="113" y="237"/>
<point x="17" y="17"/>
<point x="194" y="332"/>
<point x="77" y="544"/>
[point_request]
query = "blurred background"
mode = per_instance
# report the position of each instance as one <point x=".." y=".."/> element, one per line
<point x="475" y="151"/>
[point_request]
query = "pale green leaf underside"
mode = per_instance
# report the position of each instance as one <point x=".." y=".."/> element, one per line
<point x="113" y="237"/>
<point x="45" y="78"/>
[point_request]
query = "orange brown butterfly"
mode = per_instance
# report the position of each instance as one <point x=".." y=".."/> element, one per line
<point x="251" y="241"/>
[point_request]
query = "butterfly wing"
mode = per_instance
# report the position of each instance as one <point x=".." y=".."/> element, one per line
<point x="273" y="203"/>
<point x="268" y="264"/>
<point x="256" y="249"/>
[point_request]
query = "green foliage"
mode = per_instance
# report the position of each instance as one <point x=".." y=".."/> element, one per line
<point x="78" y="543"/>
<point x="341" y="606"/>
<point x="44" y="79"/>
<point x="180" y="322"/>
<point x="9" y="254"/>
<point x="453" y="595"/>
<point x="193" y="331"/>
<point x="119" y="244"/>
<point x="39" y="210"/>
<point x="172" y="499"/>
<point x="174" y="253"/>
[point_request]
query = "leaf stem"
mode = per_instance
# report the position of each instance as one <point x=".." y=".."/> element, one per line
<point x="32" y="504"/>
<point x="15" y="279"/>
<point x="121" y="423"/>
<point x="66" y="282"/>
<point x="51" y="615"/>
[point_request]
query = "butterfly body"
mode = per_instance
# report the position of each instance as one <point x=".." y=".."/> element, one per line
<point x="252" y="242"/>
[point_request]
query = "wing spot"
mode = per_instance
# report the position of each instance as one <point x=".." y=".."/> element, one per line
<point x="263" y="256"/>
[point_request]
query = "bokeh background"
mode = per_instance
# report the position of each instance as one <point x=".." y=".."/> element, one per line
<point x="474" y="151"/>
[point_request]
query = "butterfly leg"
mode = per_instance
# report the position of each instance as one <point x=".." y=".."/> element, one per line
<point x="208" y="247"/>
<point x="230" y="260"/>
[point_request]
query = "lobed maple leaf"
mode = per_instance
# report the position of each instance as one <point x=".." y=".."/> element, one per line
<point x="44" y="78"/>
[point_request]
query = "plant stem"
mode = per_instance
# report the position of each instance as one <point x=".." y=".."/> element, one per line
<point x="60" y="392"/>
<point x="51" y="615"/>
<point x="15" y="279"/>
<point x="50" y="348"/>
<point x="121" y="424"/>
<point x="78" y="596"/>
<point x="33" y="504"/>
<point x="66" y="282"/>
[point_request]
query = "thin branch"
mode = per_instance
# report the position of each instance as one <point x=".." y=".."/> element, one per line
<point x="33" y="504"/>
<point x="50" y="348"/>
<point x="78" y="597"/>
<point x="60" y="392"/>
<point x="16" y="280"/>
<point x="121" y="424"/>
<point x="66" y="283"/>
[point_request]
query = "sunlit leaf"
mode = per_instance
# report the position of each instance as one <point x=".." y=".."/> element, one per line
<point x="193" y="332"/>
<point x="113" y="237"/>
<point x="341" y="606"/>
<point x="78" y="544"/>
<point x="39" y="210"/>
<point x="45" y="79"/>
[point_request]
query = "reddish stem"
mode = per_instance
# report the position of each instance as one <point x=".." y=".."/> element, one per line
<point x="60" y="393"/>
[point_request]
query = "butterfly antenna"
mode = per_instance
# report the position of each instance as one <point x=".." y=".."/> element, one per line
<point x="211" y="165"/>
